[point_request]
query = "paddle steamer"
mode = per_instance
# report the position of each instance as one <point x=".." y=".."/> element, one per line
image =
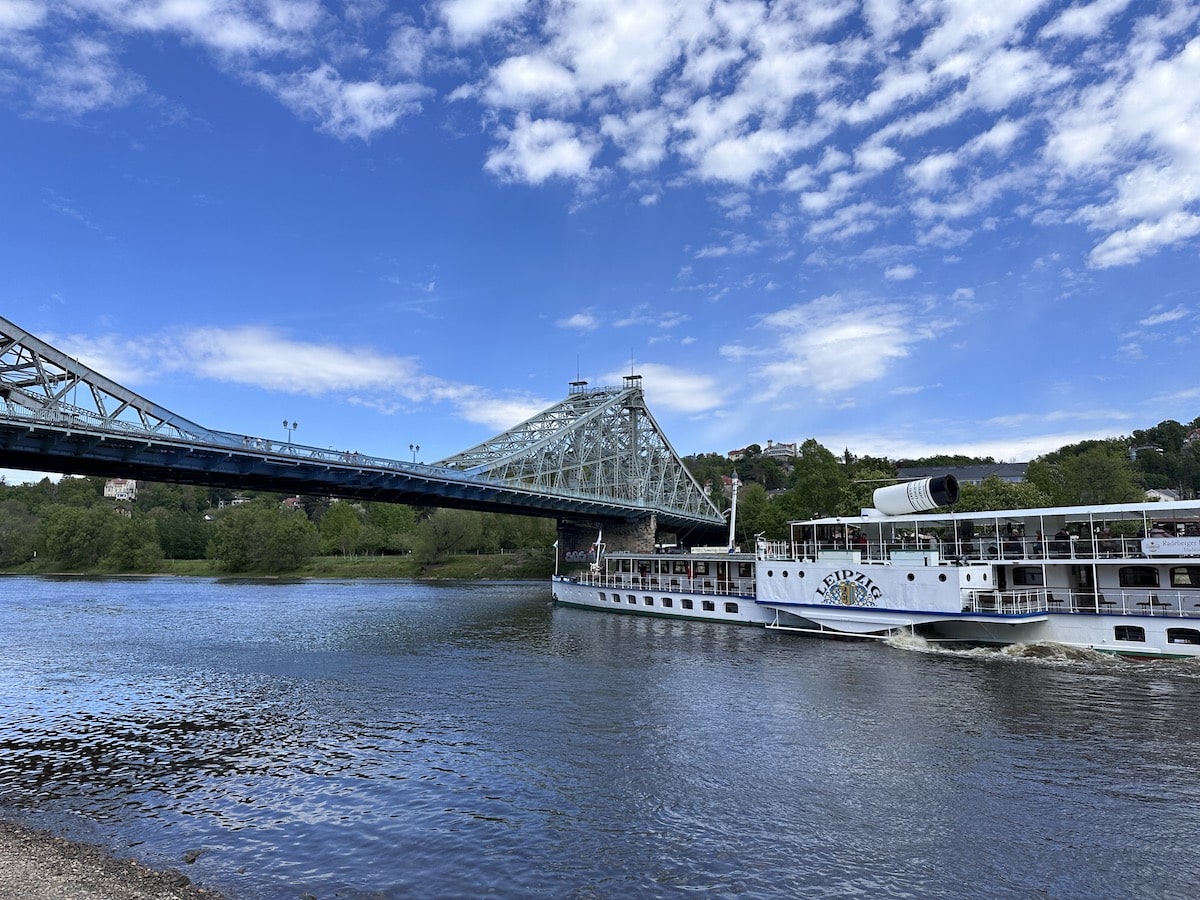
<point x="1118" y="578"/>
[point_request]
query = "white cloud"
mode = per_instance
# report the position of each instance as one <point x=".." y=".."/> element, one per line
<point x="1087" y="20"/>
<point x="18" y="15"/>
<point x="343" y="108"/>
<point x="535" y="150"/>
<point x="581" y="321"/>
<point x="270" y="360"/>
<point x="82" y="77"/>
<point x="642" y="135"/>
<point x="932" y="173"/>
<point x="1128" y="246"/>
<point x="531" y="80"/>
<point x="469" y="20"/>
<point x="832" y="345"/>
<point x="622" y="45"/>
<point x="1165" y="317"/>
<point x="1141" y="133"/>
<point x="677" y="390"/>
<point x="900" y="273"/>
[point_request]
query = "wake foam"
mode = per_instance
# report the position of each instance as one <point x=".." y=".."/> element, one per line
<point x="1039" y="651"/>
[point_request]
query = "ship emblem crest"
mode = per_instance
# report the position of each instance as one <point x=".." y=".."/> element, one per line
<point x="848" y="587"/>
<point x="849" y="593"/>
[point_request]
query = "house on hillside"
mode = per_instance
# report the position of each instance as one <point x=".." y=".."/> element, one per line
<point x="1161" y="495"/>
<point x="122" y="490"/>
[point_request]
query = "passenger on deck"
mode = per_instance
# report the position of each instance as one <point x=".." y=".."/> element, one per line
<point x="1061" y="546"/>
<point x="1012" y="545"/>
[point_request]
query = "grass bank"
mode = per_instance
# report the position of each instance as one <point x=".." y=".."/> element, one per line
<point x="510" y="565"/>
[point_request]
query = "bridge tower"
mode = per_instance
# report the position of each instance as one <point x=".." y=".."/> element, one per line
<point x="599" y="442"/>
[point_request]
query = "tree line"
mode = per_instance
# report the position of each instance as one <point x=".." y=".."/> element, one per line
<point x="818" y="482"/>
<point x="69" y="525"/>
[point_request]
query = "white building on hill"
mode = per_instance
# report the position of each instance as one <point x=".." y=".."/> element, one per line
<point x="121" y="489"/>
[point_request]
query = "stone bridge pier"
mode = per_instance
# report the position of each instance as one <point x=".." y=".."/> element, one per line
<point x="576" y="537"/>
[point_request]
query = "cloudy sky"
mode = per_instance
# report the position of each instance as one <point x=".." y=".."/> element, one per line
<point x="896" y="227"/>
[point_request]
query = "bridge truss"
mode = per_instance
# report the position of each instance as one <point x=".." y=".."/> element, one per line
<point x="598" y="454"/>
<point x="599" y="443"/>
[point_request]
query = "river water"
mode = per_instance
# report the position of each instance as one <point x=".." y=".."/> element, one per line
<point x="398" y="739"/>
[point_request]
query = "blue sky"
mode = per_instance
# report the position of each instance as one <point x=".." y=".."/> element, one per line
<point x="896" y="227"/>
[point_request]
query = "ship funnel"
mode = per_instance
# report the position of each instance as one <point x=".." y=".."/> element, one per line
<point x="917" y="496"/>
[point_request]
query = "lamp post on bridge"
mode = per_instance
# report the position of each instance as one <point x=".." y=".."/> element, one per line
<point x="415" y="448"/>
<point x="290" y="428"/>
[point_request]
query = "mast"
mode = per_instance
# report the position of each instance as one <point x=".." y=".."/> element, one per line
<point x="733" y="511"/>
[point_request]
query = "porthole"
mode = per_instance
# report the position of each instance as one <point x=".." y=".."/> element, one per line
<point x="942" y="576"/>
<point x="770" y="573"/>
<point x="968" y="576"/>
<point x="785" y="573"/>
<point x="800" y="574"/>
<point x="912" y="577"/>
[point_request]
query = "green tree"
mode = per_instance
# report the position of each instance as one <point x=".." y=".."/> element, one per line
<point x="757" y="514"/>
<point x="292" y="541"/>
<point x="135" y="546"/>
<point x="80" y="491"/>
<point x="79" y="538"/>
<point x="341" y="529"/>
<point x="1100" y="474"/>
<point x="262" y="538"/>
<point x="18" y="533"/>
<point x="388" y="528"/>
<point x="181" y="534"/>
<point x="994" y="493"/>
<point x="710" y="470"/>
<point x="444" y="532"/>
<point x="819" y="485"/>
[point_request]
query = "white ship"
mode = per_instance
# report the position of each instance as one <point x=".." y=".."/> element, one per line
<point x="1119" y="578"/>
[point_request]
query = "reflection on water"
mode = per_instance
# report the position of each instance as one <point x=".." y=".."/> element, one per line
<point x="384" y="739"/>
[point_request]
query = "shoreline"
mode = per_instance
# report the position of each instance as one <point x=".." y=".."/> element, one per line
<point x="40" y="865"/>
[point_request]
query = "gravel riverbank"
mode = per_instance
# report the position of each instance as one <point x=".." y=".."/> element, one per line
<point x="36" y="865"/>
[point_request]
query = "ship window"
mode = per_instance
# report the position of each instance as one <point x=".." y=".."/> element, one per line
<point x="708" y="606"/>
<point x="1028" y="576"/>
<point x="685" y="603"/>
<point x="668" y="602"/>
<point x="1185" y="576"/>
<point x="701" y="568"/>
<point x="1139" y="576"/>
<point x="649" y="601"/>
<point x="745" y="570"/>
<point x="602" y="597"/>
<point x="632" y="599"/>
<point x="942" y="576"/>
<point x="912" y="577"/>
<point x="785" y="573"/>
<point x="1183" y="636"/>
<point x="679" y="567"/>
<point x="1129" y="633"/>
<point x="731" y="607"/>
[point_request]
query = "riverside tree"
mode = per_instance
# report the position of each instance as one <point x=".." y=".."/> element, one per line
<point x="262" y="539"/>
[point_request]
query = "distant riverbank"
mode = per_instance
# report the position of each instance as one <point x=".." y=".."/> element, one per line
<point x="533" y="564"/>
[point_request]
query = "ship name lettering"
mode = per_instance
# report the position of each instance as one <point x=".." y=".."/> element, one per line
<point x="841" y="575"/>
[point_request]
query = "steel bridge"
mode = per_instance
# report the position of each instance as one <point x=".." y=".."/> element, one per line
<point x="597" y="455"/>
